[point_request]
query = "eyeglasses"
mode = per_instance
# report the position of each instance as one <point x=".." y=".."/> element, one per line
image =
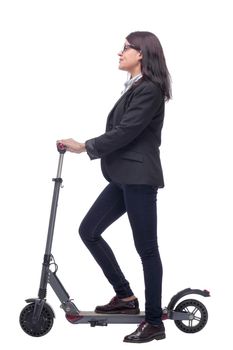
<point x="130" y="46"/>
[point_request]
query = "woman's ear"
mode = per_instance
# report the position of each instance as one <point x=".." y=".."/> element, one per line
<point x="140" y="55"/>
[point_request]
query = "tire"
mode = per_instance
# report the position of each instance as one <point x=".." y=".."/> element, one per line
<point x="199" y="316"/>
<point x="43" y="325"/>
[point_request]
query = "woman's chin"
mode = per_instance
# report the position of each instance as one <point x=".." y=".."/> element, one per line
<point x="121" y="67"/>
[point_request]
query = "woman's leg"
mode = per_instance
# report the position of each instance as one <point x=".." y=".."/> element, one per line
<point x="107" y="208"/>
<point x="140" y="201"/>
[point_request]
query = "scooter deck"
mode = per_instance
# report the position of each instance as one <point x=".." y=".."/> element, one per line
<point x="96" y="319"/>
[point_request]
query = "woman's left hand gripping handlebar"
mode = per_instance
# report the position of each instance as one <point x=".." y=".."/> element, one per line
<point x="71" y="145"/>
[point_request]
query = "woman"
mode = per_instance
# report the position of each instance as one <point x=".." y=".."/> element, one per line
<point x="130" y="161"/>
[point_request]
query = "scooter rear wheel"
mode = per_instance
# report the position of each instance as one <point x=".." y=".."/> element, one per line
<point x="43" y="325"/>
<point x="198" y="313"/>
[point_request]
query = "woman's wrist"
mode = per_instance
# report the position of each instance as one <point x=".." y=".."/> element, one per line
<point x="82" y="147"/>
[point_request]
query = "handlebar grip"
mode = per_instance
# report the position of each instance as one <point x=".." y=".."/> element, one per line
<point x="61" y="148"/>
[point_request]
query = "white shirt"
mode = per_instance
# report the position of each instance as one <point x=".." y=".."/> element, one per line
<point x="130" y="82"/>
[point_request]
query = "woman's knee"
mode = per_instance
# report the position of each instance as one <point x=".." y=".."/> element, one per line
<point x="87" y="233"/>
<point x="84" y="232"/>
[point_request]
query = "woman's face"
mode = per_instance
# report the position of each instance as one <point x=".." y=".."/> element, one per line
<point x="130" y="59"/>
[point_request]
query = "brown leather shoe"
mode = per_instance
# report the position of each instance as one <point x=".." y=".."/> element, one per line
<point x="118" y="306"/>
<point x="145" y="333"/>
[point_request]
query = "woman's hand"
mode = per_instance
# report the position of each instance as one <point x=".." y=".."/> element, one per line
<point x="73" y="146"/>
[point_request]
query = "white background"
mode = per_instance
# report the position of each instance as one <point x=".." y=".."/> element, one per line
<point x="59" y="79"/>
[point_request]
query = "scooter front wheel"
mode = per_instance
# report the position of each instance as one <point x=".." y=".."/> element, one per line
<point x="198" y="316"/>
<point x="42" y="326"/>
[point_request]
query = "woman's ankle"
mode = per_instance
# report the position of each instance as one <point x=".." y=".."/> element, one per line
<point x="132" y="297"/>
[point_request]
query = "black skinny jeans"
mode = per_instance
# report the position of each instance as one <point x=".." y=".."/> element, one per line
<point x="139" y="201"/>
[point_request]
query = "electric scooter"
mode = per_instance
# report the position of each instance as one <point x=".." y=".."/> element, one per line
<point x="36" y="318"/>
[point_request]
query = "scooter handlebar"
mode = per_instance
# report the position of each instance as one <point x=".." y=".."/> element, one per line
<point x="61" y="148"/>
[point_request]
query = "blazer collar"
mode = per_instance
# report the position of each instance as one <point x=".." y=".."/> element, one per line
<point x="126" y="94"/>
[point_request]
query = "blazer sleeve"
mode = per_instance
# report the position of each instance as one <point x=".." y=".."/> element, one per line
<point x="142" y="109"/>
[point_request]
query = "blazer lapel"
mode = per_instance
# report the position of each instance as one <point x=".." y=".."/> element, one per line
<point x="121" y="99"/>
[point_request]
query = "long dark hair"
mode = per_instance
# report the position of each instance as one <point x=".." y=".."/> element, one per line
<point x="153" y="62"/>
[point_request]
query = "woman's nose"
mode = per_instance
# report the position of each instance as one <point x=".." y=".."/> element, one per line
<point x="120" y="53"/>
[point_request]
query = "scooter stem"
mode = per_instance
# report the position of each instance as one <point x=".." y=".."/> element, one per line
<point x="59" y="168"/>
<point x="47" y="257"/>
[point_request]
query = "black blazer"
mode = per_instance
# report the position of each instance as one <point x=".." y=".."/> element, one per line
<point x="129" y="149"/>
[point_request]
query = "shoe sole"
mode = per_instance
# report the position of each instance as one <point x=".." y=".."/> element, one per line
<point x="156" y="337"/>
<point x="123" y="312"/>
